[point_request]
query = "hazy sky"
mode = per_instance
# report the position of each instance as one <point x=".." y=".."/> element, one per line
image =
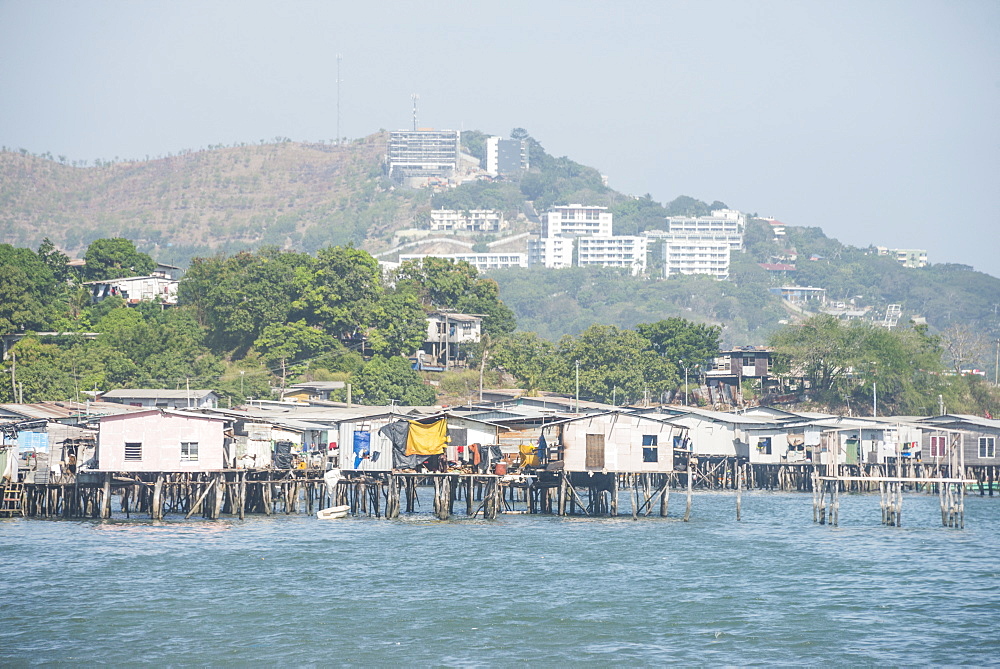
<point x="877" y="121"/>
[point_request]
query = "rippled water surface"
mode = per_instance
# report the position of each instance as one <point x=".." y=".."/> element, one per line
<point x="772" y="589"/>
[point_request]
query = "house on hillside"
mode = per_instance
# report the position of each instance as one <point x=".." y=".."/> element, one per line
<point x="448" y="333"/>
<point x="313" y="391"/>
<point x="162" y="441"/>
<point x="730" y="368"/>
<point x="135" y="289"/>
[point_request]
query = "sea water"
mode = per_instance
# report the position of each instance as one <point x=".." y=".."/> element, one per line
<point x="293" y="590"/>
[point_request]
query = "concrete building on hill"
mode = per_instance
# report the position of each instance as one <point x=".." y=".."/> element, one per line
<point x="413" y="156"/>
<point x="475" y="220"/>
<point x="723" y="223"/>
<point x="551" y="252"/>
<point x="506" y="156"/>
<point x="481" y="261"/>
<point x="683" y="254"/>
<point x="912" y="258"/>
<point x="621" y="251"/>
<point x="576" y="220"/>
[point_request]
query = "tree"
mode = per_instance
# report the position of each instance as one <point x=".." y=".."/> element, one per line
<point x="338" y="291"/>
<point x="524" y="355"/>
<point x="443" y="283"/>
<point x="54" y="259"/>
<point x="115" y="258"/>
<point x="964" y="345"/>
<point x="30" y="296"/>
<point x="398" y="325"/>
<point x="288" y="343"/>
<point x="678" y="339"/>
<point x="385" y="380"/>
<point x="237" y="297"/>
<point x="614" y="364"/>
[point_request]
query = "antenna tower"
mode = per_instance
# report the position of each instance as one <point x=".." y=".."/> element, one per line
<point x="338" y="98"/>
<point x="415" y="97"/>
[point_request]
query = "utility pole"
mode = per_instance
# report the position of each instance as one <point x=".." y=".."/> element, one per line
<point x="13" y="377"/>
<point x="996" y="370"/>
<point x="874" y="400"/>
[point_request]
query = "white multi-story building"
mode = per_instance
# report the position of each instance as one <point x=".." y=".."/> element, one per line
<point x="551" y="252"/>
<point x="696" y="256"/>
<point x="625" y="252"/>
<point x="576" y="219"/>
<point x="422" y="153"/>
<point x="727" y="223"/>
<point x="481" y="261"/>
<point x="476" y="220"/>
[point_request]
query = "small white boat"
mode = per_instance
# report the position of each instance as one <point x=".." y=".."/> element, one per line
<point x="333" y="512"/>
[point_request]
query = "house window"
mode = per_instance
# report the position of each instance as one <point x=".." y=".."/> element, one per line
<point x="133" y="452"/>
<point x="595" y="451"/>
<point x="764" y="445"/>
<point x="987" y="447"/>
<point x="650" y="451"/>
<point x="938" y="446"/>
<point x="189" y="451"/>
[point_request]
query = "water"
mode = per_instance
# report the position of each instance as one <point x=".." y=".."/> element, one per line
<point x="292" y="590"/>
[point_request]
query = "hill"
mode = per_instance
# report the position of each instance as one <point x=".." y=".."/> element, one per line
<point x="286" y="194"/>
<point x="310" y="196"/>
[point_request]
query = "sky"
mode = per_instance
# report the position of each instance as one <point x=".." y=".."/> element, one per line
<point x="876" y="121"/>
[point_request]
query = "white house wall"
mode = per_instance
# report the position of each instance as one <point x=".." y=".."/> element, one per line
<point x="623" y="443"/>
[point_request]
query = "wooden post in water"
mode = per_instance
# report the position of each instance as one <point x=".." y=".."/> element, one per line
<point x="739" y="490"/>
<point x="106" y="497"/>
<point x="156" y="505"/>
<point x="692" y="462"/>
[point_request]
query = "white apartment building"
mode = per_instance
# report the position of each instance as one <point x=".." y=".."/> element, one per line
<point x="625" y="252"/>
<point x="576" y="219"/>
<point x="727" y="223"/>
<point x="476" y="220"/>
<point x="551" y="252"/>
<point x="696" y="256"/>
<point x="481" y="261"/>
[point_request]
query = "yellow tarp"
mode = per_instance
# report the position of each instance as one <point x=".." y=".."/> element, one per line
<point x="528" y="455"/>
<point x="427" y="439"/>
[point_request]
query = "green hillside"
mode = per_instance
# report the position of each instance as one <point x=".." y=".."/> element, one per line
<point x="306" y="197"/>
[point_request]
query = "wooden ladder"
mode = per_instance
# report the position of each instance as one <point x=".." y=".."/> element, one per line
<point x="12" y="501"/>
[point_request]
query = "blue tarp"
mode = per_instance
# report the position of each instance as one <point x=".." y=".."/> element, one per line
<point x="33" y="441"/>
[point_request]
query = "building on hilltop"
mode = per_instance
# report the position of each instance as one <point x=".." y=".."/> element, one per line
<point x="723" y="223"/>
<point x="506" y="156"/>
<point x="414" y="156"/>
<point x="475" y="220"/>
<point x="912" y="258"/>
